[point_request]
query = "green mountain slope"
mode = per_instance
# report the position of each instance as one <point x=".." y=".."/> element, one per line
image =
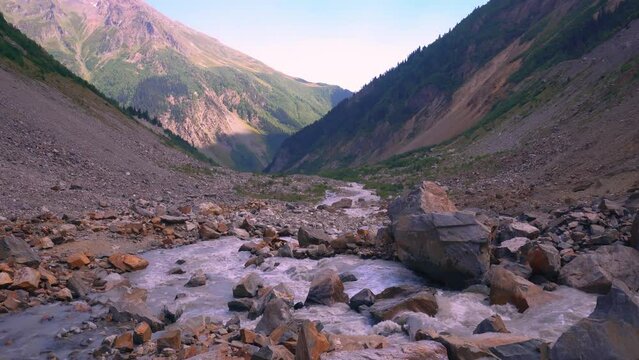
<point x="469" y="77"/>
<point x="232" y="107"/>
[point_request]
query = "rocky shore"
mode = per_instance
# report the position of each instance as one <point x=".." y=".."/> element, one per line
<point x="511" y="265"/>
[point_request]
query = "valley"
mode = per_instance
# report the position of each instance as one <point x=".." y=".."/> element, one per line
<point x="479" y="201"/>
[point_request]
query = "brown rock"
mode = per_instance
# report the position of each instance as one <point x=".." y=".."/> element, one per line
<point x="26" y="278"/>
<point x="326" y="289"/>
<point x="506" y="287"/>
<point x="493" y="323"/>
<point x="45" y="243"/>
<point x="208" y="233"/>
<point x="47" y="276"/>
<point x="64" y="294"/>
<point x="5" y="279"/>
<point x="142" y="333"/>
<point x="124" y="342"/>
<point x="171" y="339"/>
<point x="544" y="259"/>
<point x="128" y="262"/>
<point x="209" y="208"/>
<point x="422" y="302"/>
<point x="247" y="336"/>
<point x="78" y="260"/>
<point x="310" y="343"/>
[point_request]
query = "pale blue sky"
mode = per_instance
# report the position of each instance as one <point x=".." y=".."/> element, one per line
<point x="343" y="42"/>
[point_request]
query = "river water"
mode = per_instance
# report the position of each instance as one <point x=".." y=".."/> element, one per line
<point x="31" y="334"/>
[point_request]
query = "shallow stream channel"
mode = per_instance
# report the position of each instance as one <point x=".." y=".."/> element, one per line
<point x="36" y="332"/>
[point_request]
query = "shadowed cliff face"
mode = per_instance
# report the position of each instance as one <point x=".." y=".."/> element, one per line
<point x="207" y="93"/>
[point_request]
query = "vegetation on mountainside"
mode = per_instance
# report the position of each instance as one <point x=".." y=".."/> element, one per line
<point x="18" y="49"/>
<point x="282" y="188"/>
<point x="439" y="69"/>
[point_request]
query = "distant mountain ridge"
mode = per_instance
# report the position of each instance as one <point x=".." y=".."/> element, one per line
<point x="486" y="66"/>
<point x="231" y="106"/>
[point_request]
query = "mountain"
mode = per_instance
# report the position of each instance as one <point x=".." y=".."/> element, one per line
<point x="232" y="107"/>
<point x="67" y="147"/>
<point x="504" y="64"/>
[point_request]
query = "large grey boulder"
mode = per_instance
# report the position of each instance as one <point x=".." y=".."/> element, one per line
<point x="309" y="236"/>
<point x="420" y="302"/>
<point x="595" y="271"/>
<point x="427" y="198"/>
<point x="17" y="250"/>
<point x="451" y="248"/>
<point x="610" y="332"/>
<point x="248" y="286"/>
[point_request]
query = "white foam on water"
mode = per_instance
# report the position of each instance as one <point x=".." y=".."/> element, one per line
<point x="365" y="202"/>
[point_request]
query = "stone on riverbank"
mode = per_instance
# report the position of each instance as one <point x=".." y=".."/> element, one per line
<point x="326" y="289"/>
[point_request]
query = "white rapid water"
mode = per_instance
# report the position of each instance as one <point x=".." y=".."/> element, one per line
<point x="365" y="202"/>
<point x="459" y="312"/>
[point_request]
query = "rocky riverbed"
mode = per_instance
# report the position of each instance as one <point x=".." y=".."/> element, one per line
<point x="274" y="280"/>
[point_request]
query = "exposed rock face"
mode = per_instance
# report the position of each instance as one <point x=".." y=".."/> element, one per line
<point x="171" y="339"/>
<point x="491" y="324"/>
<point x="610" y="332"/>
<point x="78" y="260"/>
<point x="595" y="271"/>
<point x="506" y="287"/>
<point x="421" y="302"/>
<point x="451" y="248"/>
<point x="17" y="250"/>
<point x="310" y="343"/>
<point x="423" y="350"/>
<point x="308" y="236"/>
<point x="326" y="289"/>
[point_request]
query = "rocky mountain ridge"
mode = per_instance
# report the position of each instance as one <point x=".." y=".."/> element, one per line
<point x="232" y="107"/>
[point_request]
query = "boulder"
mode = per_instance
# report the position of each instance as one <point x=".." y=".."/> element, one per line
<point x="78" y="286"/>
<point x="198" y="279"/>
<point x="208" y="233"/>
<point x="493" y="323"/>
<point x="209" y="208"/>
<point x="64" y="294"/>
<point x="78" y="260"/>
<point x="18" y="251"/>
<point x="26" y="278"/>
<point x="326" y="289"/>
<point x="311" y="343"/>
<point x="610" y="332"/>
<point x="276" y="313"/>
<point x="266" y="295"/>
<point x="285" y="251"/>
<point x="522" y="229"/>
<point x="248" y="286"/>
<point x="171" y="313"/>
<point x="347" y="277"/>
<point x="241" y="305"/>
<point x="422" y="350"/>
<point x="171" y="339"/>
<point x="544" y="259"/>
<point x="489" y="345"/>
<point x="634" y="233"/>
<point x="308" y="236"/>
<point x="169" y="219"/>
<point x="128" y="262"/>
<point x="273" y="352"/>
<point x="427" y="198"/>
<point x="595" y="271"/>
<point x="124" y="342"/>
<point x="129" y="304"/>
<point x="451" y="248"/>
<point x="508" y="288"/>
<point x="141" y="333"/>
<point x="420" y="302"/>
<point x="511" y="248"/>
<point x="365" y="297"/>
<point x="5" y="280"/>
